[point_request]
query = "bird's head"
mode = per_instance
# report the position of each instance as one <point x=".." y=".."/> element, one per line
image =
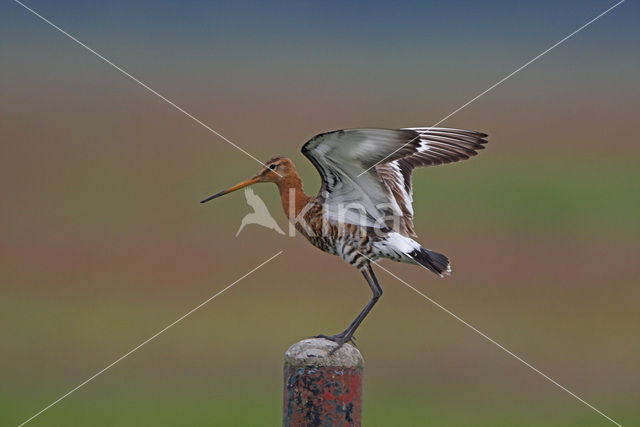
<point x="274" y="170"/>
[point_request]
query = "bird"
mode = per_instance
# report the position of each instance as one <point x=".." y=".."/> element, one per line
<point x="260" y="214"/>
<point x="363" y="211"/>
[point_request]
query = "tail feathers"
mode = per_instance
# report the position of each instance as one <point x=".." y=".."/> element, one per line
<point x="434" y="261"/>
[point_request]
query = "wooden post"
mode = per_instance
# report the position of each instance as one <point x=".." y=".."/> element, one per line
<point x="322" y="389"/>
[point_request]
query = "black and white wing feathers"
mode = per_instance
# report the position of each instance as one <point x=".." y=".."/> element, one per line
<point x="437" y="146"/>
<point x="366" y="173"/>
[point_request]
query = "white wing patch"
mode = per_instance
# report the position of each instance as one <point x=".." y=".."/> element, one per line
<point x="341" y="157"/>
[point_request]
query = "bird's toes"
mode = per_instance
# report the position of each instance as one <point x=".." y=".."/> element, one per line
<point x="339" y="339"/>
<point x="326" y="337"/>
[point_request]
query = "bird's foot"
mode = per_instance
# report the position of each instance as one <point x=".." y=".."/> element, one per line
<point x="339" y="339"/>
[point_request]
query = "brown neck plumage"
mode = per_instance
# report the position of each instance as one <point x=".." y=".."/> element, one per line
<point x="293" y="197"/>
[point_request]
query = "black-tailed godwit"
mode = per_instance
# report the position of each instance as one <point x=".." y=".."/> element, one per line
<point x="364" y="211"/>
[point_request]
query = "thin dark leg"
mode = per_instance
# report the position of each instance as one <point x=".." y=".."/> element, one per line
<point x="347" y="334"/>
<point x="377" y="292"/>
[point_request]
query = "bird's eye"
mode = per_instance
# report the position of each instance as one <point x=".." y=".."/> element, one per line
<point x="272" y="167"/>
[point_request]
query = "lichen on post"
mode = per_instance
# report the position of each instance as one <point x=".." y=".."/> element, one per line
<point x="322" y="388"/>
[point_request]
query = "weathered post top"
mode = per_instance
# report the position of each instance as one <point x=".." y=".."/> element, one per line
<point x="320" y="388"/>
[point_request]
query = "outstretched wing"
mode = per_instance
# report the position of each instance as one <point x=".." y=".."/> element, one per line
<point x="437" y="146"/>
<point x="366" y="173"/>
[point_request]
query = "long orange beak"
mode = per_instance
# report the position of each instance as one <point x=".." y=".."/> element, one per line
<point x="243" y="184"/>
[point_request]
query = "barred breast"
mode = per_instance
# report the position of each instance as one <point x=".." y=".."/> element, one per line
<point x="353" y="243"/>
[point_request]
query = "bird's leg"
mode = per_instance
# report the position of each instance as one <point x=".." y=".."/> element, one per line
<point x="347" y="334"/>
<point x="372" y="280"/>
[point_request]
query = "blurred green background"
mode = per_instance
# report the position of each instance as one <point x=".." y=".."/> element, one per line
<point x="103" y="241"/>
